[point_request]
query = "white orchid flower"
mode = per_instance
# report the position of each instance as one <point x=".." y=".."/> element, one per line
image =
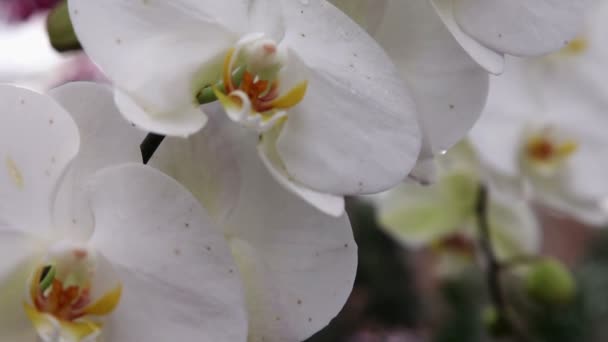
<point x="114" y="255"/>
<point x="297" y="264"/>
<point x="343" y="122"/>
<point x="443" y="215"/>
<point x="545" y="122"/>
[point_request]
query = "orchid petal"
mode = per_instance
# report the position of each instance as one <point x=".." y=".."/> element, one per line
<point x="280" y="242"/>
<point x="38" y="139"/>
<point x="487" y="58"/>
<point x="329" y="204"/>
<point x="521" y="27"/>
<point x="267" y="16"/>
<point x="367" y="13"/>
<point x="355" y="131"/>
<point x="206" y="164"/>
<point x="106" y="139"/>
<point x="176" y="268"/>
<point x="159" y="54"/>
<point x="448" y="87"/>
<point x="418" y="215"/>
<point x="514" y="227"/>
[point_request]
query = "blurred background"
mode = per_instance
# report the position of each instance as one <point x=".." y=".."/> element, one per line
<point x="403" y="293"/>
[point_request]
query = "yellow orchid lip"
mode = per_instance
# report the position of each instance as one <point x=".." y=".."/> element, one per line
<point x="65" y="306"/>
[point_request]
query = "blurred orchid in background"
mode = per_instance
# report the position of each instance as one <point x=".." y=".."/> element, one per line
<point x="444" y="216"/>
<point x="489" y="29"/>
<point x="444" y="47"/>
<point x="546" y="123"/>
<point x="66" y="195"/>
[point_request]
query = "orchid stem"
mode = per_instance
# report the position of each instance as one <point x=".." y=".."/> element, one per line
<point x="493" y="275"/>
<point x="150" y="144"/>
<point x="494" y="267"/>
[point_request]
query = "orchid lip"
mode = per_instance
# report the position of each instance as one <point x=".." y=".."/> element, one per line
<point x="257" y="100"/>
<point x="61" y="298"/>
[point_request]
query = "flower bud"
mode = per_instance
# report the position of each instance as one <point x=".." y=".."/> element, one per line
<point x="549" y="282"/>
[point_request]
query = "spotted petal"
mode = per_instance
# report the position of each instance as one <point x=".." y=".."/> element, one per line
<point x="106" y="139"/>
<point x="355" y="130"/>
<point x="38" y="139"/>
<point x="487" y="58"/>
<point x="521" y="27"/>
<point x="175" y="267"/>
<point x="449" y="88"/>
<point x="297" y="264"/>
<point x="367" y="13"/>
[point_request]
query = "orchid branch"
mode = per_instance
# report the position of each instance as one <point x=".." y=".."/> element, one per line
<point x="494" y="267"/>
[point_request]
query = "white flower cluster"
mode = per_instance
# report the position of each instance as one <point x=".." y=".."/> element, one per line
<point x="272" y="111"/>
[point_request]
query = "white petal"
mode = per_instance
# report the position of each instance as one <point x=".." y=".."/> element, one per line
<point x="329" y="204"/>
<point x="449" y="88"/>
<point x="298" y="264"/>
<point x="206" y="164"/>
<point x="497" y="134"/>
<point x="178" y="274"/>
<point x="521" y="27"/>
<point x="425" y="172"/>
<point x="266" y="16"/>
<point x="159" y="53"/>
<point x="106" y="139"/>
<point x="18" y="256"/>
<point x="487" y="58"/>
<point x="515" y="228"/>
<point x="355" y="131"/>
<point x="38" y="139"/>
<point x="367" y="13"/>
<point x="181" y="123"/>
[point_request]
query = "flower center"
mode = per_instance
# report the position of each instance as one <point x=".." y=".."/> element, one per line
<point x="63" y="301"/>
<point x="257" y="101"/>
<point x="545" y="151"/>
